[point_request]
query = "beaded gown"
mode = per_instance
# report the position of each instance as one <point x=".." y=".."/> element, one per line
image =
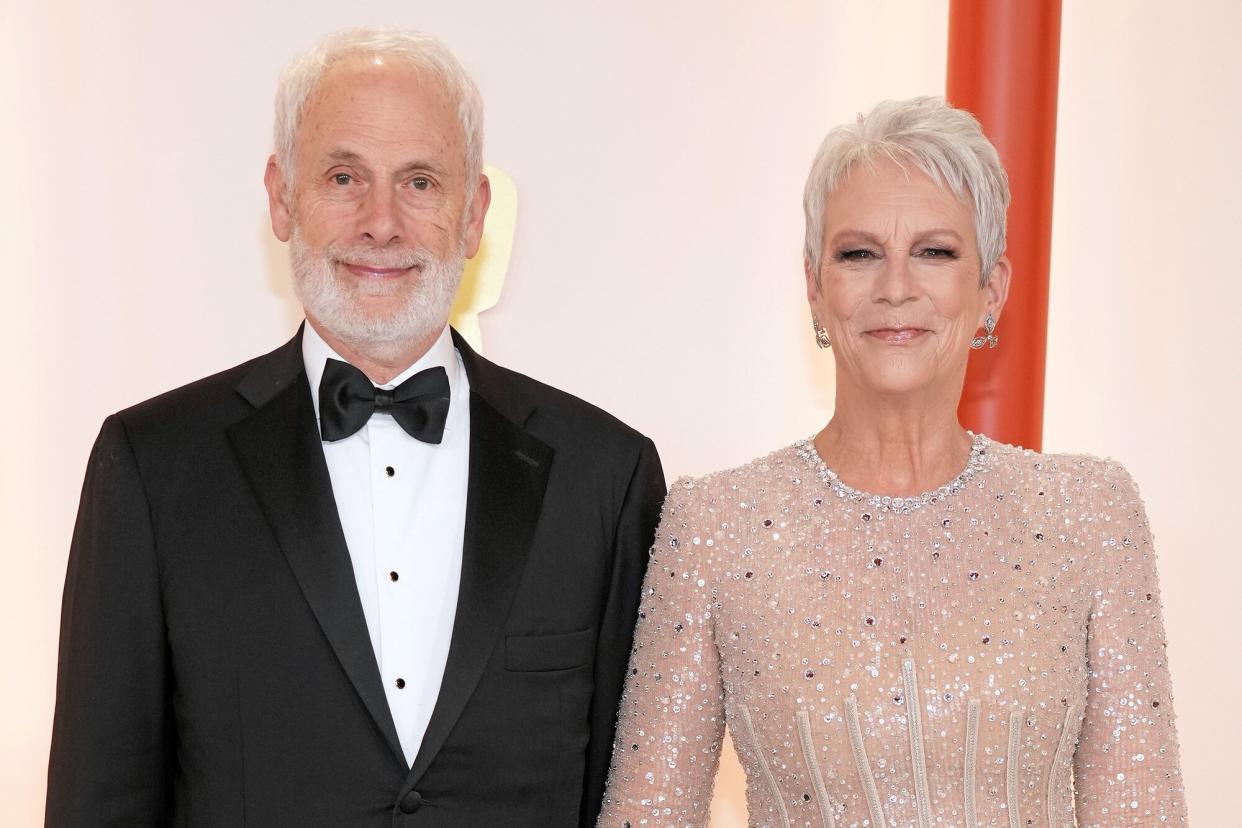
<point x="987" y="654"/>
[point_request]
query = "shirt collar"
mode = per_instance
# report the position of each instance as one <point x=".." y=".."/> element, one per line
<point x="316" y="352"/>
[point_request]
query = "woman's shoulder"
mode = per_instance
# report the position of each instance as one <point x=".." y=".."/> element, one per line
<point x="1080" y="474"/>
<point x="771" y="475"/>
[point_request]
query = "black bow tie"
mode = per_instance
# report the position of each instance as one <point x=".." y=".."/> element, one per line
<point x="347" y="399"/>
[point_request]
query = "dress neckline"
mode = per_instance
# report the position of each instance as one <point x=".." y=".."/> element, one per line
<point x="976" y="463"/>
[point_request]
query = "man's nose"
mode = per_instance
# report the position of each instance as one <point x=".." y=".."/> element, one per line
<point x="380" y="222"/>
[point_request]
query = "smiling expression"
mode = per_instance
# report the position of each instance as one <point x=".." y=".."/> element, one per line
<point x="898" y="284"/>
<point x="380" y="188"/>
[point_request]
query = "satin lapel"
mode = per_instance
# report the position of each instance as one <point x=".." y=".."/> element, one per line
<point x="508" y="474"/>
<point x="280" y="452"/>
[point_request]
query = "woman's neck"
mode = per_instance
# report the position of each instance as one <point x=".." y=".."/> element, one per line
<point x="894" y="448"/>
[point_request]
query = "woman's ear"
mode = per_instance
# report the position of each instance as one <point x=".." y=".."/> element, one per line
<point x="813" y="292"/>
<point x="997" y="287"/>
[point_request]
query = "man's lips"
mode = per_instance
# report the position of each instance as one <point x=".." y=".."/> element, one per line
<point x="365" y="271"/>
<point x="897" y="336"/>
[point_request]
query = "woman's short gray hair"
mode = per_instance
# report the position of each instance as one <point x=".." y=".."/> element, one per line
<point x="945" y="143"/>
<point x="302" y="75"/>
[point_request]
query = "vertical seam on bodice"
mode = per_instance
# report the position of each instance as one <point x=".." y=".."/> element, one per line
<point x="917" y="756"/>
<point x="968" y="771"/>
<point x="812" y="766"/>
<point x="860" y="760"/>
<point x="1058" y="762"/>
<point x="763" y="764"/>
<point x="1011" y="768"/>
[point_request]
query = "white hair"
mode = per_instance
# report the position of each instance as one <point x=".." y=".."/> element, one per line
<point x="302" y="75"/>
<point x="945" y="143"/>
<point x="338" y="303"/>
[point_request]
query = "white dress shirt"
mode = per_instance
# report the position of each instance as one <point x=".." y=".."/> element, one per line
<point x="402" y="504"/>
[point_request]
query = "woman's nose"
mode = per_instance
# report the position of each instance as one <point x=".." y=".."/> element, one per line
<point x="895" y="284"/>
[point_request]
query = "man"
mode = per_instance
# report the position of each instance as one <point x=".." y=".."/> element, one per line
<point x="370" y="578"/>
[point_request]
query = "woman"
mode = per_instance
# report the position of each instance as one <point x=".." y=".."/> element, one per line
<point x="903" y="623"/>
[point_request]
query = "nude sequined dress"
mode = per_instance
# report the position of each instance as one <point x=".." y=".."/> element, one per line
<point x="987" y="654"/>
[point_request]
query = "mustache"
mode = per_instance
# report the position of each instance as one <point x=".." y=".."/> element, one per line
<point x="381" y="257"/>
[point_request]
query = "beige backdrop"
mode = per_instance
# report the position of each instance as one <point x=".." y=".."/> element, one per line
<point x="659" y="151"/>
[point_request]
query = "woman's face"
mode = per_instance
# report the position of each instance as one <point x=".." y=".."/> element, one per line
<point x="898" y="283"/>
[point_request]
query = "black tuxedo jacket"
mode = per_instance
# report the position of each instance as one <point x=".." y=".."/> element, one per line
<point x="215" y="665"/>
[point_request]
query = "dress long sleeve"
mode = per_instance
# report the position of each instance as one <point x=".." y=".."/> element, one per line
<point x="671" y="721"/>
<point x="1126" y="767"/>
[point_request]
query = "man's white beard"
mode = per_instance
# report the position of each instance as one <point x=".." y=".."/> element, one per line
<point x="337" y="305"/>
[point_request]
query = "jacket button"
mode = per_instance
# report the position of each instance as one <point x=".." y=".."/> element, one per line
<point x="411" y="802"/>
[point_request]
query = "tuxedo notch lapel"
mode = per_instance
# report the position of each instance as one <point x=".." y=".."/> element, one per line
<point x="280" y="452"/>
<point x="508" y="475"/>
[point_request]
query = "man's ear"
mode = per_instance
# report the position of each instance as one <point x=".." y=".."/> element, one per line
<point x="477" y="211"/>
<point x="278" y="199"/>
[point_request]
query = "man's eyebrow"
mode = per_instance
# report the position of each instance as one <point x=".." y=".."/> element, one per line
<point x="418" y="166"/>
<point x="344" y="155"/>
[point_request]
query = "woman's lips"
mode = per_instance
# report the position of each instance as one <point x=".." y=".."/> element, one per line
<point x="897" y="336"/>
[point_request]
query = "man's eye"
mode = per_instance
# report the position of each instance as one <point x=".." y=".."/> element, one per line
<point x="342" y="179"/>
<point x="420" y="183"/>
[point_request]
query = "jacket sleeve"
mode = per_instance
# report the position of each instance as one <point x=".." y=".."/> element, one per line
<point x="635" y="529"/>
<point x="111" y="755"/>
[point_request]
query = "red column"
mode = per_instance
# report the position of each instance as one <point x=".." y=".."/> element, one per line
<point x="1003" y="67"/>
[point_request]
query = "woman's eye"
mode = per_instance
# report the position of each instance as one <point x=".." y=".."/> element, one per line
<point x="342" y="179"/>
<point x="855" y="255"/>
<point x="938" y="253"/>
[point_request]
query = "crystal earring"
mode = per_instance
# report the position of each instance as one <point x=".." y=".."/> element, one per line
<point x="821" y="335"/>
<point x="988" y="338"/>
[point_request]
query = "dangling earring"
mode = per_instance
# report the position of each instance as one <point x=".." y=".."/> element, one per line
<point x="988" y="337"/>
<point x="821" y="335"/>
